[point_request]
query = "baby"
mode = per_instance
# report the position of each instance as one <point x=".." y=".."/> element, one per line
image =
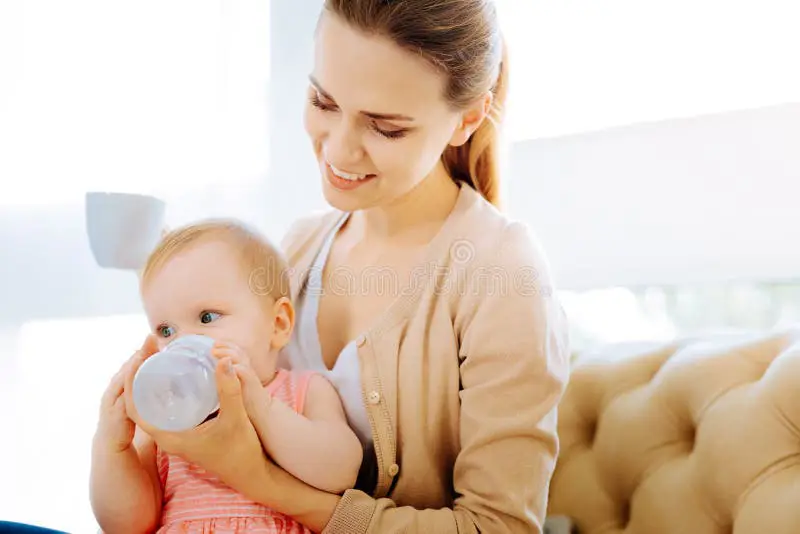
<point x="222" y="280"/>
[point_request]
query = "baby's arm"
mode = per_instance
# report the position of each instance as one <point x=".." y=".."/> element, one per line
<point x="125" y="488"/>
<point x="317" y="446"/>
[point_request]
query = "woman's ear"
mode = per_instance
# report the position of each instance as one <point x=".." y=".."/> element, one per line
<point x="283" y="323"/>
<point x="471" y="119"/>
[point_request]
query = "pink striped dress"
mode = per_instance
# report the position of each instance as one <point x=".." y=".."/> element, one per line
<point x="195" y="501"/>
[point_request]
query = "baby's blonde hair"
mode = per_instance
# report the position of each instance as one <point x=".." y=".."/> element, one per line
<point x="263" y="264"/>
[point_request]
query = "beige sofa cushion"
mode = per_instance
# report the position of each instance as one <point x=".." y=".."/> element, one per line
<point x="698" y="437"/>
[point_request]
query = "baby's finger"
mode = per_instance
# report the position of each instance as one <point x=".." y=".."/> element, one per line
<point x="132" y="368"/>
<point x="119" y="404"/>
<point x="149" y="347"/>
<point x="114" y="389"/>
<point x="248" y="378"/>
<point x="221" y="352"/>
<point x="222" y="344"/>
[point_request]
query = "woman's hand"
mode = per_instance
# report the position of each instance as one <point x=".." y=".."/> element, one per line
<point x="226" y="445"/>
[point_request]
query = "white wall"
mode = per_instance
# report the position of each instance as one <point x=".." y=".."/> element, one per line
<point x="693" y="200"/>
<point x="47" y="271"/>
<point x="294" y="178"/>
<point x="46" y="267"/>
<point x="88" y="102"/>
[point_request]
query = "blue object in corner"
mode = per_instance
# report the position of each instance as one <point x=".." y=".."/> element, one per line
<point x="20" y="528"/>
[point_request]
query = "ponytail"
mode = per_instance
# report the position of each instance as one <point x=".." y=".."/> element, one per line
<point x="477" y="162"/>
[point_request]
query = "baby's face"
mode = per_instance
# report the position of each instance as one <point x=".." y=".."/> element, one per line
<point x="203" y="290"/>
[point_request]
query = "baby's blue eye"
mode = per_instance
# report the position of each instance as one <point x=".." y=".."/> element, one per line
<point x="207" y="317"/>
<point x="165" y="331"/>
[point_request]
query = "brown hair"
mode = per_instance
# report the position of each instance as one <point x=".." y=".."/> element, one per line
<point x="264" y="265"/>
<point x="462" y="39"/>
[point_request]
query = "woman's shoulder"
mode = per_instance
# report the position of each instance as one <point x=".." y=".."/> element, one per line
<point x="488" y="237"/>
<point x="507" y="285"/>
<point x="308" y="229"/>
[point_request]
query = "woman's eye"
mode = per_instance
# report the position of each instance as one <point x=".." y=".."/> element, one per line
<point x="390" y="134"/>
<point x="208" y="317"/>
<point x="165" y="331"/>
<point x="317" y="102"/>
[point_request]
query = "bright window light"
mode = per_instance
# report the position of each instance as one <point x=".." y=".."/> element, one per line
<point x="148" y="96"/>
<point x="60" y="369"/>
<point x="579" y="65"/>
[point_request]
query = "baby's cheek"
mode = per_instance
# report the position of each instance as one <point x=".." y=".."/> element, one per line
<point x="262" y="362"/>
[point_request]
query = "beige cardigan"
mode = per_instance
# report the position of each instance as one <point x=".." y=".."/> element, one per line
<point x="461" y="378"/>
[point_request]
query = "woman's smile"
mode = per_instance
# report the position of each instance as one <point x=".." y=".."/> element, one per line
<point x="345" y="181"/>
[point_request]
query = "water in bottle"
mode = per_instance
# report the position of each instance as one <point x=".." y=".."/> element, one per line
<point x="175" y="389"/>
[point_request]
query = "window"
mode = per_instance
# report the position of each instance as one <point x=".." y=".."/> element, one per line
<point x="580" y="66"/>
<point x="652" y="148"/>
<point x="663" y="313"/>
<point x="168" y="98"/>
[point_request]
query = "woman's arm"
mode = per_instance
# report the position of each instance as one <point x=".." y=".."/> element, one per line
<point x="317" y="446"/>
<point x="514" y="369"/>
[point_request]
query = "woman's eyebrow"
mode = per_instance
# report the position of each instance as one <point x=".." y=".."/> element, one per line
<point x="370" y="114"/>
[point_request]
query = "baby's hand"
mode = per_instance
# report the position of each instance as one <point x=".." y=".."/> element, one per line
<point x="254" y="394"/>
<point x="115" y="429"/>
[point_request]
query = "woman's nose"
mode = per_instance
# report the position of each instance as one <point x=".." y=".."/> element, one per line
<point x="343" y="146"/>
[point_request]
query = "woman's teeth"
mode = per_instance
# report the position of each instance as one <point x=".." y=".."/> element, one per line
<point x="347" y="175"/>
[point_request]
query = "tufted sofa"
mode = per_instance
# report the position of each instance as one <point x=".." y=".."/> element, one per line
<point x="701" y="436"/>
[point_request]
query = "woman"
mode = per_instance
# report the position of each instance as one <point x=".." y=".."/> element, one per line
<point x="430" y="311"/>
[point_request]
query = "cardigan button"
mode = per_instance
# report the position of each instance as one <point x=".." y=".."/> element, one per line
<point x="374" y="397"/>
<point x="393" y="470"/>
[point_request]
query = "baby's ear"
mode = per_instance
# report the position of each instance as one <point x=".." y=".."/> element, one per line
<point x="283" y="323"/>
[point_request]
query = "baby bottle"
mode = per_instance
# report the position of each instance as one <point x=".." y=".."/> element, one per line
<point x="175" y="389"/>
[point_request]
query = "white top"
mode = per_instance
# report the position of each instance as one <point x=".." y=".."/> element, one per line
<point x="304" y="351"/>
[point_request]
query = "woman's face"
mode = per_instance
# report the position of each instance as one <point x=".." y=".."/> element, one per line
<point x="376" y="115"/>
